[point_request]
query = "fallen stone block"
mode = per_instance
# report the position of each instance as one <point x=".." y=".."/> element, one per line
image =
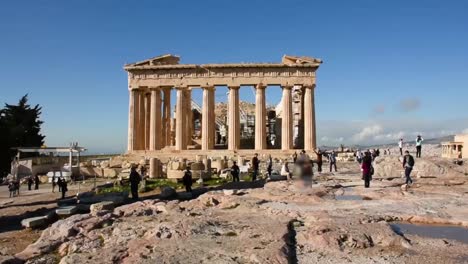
<point x="66" y="210"/>
<point x="184" y="195"/>
<point x="102" y="206"/>
<point x="117" y="198"/>
<point x="35" y="222"/>
<point x="168" y="193"/>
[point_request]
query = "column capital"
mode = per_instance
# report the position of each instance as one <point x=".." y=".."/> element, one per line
<point x="234" y="87"/>
<point x="260" y="86"/>
<point x="312" y="86"/>
<point x="181" y="88"/>
<point x="287" y="87"/>
<point x="208" y="87"/>
<point x="155" y="88"/>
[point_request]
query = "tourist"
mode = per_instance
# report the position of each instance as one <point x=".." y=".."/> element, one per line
<point x="367" y="169"/>
<point x="235" y="171"/>
<point x="255" y="165"/>
<point x="53" y="183"/>
<point x="294" y="157"/>
<point x="12" y="188"/>
<point x="187" y="180"/>
<point x="63" y="188"/>
<point x="388" y="151"/>
<point x="59" y="184"/>
<point x="419" y="141"/>
<point x="30" y="182"/>
<point x="385" y="152"/>
<point x="400" y="146"/>
<point x="408" y="164"/>
<point x="142" y="171"/>
<point x="285" y="171"/>
<point x="270" y="165"/>
<point x="332" y="160"/>
<point x="135" y="179"/>
<point x="319" y="154"/>
<point x="36" y="182"/>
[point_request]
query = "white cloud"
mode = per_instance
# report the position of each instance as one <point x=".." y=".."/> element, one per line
<point x="367" y="132"/>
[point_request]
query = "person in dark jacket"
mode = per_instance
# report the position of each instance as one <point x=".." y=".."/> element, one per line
<point x="255" y="165"/>
<point x="367" y="169"/>
<point x="408" y="164"/>
<point x="36" y="182"/>
<point x="53" y="183"/>
<point x="187" y="180"/>
<point x="135" y="179"/>
<point x="235" y="171"/>
<point x="332" y="160"/>
<point x="30" y="182"/>
<point x="63" y="188"/>
<point x="270" y="166"/>
<point x="59" y="184"/>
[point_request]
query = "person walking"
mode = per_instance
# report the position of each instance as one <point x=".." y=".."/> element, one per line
<point x="366" y="167"/>
<point x="408" y="164"/>
<point x="36" y="182"/>
<point x="53" y="183"/>
<point x="30" y="182"/>
<point x="12" y="188"/>
<point x="332" y="160"/>
<point x="187" y="180"/>
<point x="255" y="165"/>
<point x="319" y="154"/>
<point x="294" y="157"/>
<point x="235" y="171"/>
<point x="419" y="141"/>
<point x="135" y="179"/>
<point x="400" y="146"/>
<point x="64" y="188"/>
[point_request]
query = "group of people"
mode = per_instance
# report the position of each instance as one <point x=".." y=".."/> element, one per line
<point x="14" y="185"/>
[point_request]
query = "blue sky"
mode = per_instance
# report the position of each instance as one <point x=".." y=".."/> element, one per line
<point x="391" y="68"/>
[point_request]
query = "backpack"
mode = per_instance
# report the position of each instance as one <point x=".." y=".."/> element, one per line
<point x="410" y="161"/>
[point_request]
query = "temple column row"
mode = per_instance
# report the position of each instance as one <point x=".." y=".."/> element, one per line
<point x="149" y="129"/>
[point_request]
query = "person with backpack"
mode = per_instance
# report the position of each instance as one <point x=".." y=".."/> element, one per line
<point x="187" y="180"/>
<point x="419" y="141"/>
<point x="367" y="169"/>
<point x="408" y="164"/>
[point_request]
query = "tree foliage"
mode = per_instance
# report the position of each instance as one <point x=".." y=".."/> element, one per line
<point x="20" y="126"/>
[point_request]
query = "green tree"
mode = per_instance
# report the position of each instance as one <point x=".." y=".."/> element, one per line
<point x="20" y="126"/>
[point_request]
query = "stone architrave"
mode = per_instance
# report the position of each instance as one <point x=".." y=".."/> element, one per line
<point x="260" y="117"/>
<point x="233" y="118"/>
<point x="286" y="122"/>
<point x="310" y="142"/>
<point x="155" y="120"/>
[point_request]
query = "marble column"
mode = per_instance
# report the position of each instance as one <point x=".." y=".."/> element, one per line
<point x="188" y="116"/>
<point x="180" y="142"/>
<point x="167" y="117"/>
<point x="260" y="115"/>
<point x="147" y="119"/>
<point x="207" y="121"/>
<point x="212" y="124"/>
<point x="132" y="121"/>
<point x="310" y="140"/>
<point x="233" y="118"/>
<point x="155" y="120"/>
<point x="287" y="120"/>
<point x="141" y="120"/>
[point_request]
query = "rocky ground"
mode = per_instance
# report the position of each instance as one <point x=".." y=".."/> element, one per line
<point x="335" y="221"/>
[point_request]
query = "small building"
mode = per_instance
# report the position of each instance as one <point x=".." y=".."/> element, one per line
<point x="455" y="149"/>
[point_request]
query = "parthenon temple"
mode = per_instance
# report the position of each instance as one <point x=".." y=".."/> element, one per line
<point x="152" y="130"/>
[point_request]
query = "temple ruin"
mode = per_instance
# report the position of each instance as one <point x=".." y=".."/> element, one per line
<point x="152" y="131"/>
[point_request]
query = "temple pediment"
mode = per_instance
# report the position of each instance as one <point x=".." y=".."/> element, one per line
<point x="290" y="60"/>
<point x="167" y="59"/>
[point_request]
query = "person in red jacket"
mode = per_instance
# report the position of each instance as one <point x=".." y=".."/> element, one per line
<point x="367" y="169"/>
